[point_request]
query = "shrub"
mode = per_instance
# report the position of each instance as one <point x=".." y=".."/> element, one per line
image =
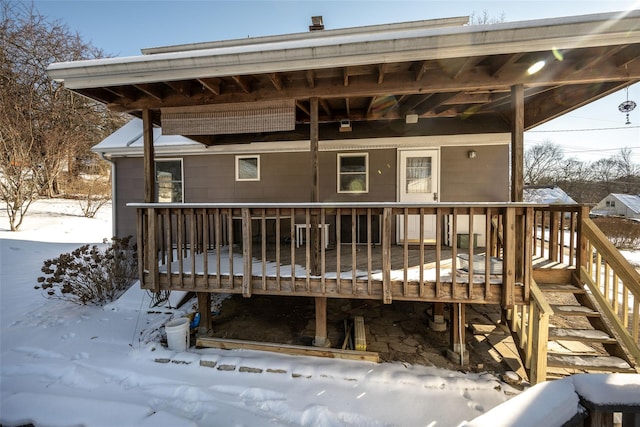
<point x="622" y="232"/>
<point x="90" y="275"/>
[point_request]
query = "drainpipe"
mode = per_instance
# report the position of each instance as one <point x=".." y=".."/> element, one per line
<point x="104" y="157"/>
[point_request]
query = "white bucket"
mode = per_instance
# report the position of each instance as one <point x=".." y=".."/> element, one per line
<point x="178" y="334"/>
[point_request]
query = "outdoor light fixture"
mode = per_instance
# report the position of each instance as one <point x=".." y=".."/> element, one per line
<point x="345" y="125"/>
<point x="536" y="67"/>
<point x="471" y="154"/>
<point x="411" y="118"/>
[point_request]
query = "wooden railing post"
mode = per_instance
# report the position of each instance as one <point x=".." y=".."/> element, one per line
<point x="246" y="252"/>
<point x="509" y="258"/>
<point x="581" y="253"/>
<point x="152" y="248"/>
<point x="554" y="220"/>
<point x="386" y="255"/>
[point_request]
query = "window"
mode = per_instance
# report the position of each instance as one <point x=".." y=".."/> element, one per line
<point x="353" y="173"/>
<point x="610" y="203"/>
<point x="418" y="175"/>
<point x="169" y="181"/>
<point x="247" y="168"/>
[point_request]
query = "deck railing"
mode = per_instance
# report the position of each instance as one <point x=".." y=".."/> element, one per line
<point x="365" y="250"/>
<point x="615" y="285"/>
<point x="530" y="324"/>
<point x="557" y="235"/>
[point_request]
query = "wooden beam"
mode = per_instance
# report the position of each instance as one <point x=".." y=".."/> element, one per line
<point x="182" y="88"/>
<point x="311" y="81"/>
<point x="149" y="165"/>
<point x="382" y="69"/>
<point x="212" y="85"/>
<point x="321" y="339"/>
<point x="204" y="308"/>
<point x="422" y="69"/>
<point x="345" y="76"/>
<point x="276" y="80"/>
<point x="333" y="353"/>
<point x="242" y="83"/>
<point x="326" y="107"/>
<point x="517" y="143"/>
<point x="303" y="108"/>
<point x="247" y="257"/>
<point x="151" y="90"/>
<point x="315" y="185"/>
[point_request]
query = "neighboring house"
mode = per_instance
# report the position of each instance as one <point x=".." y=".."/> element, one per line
<point x="348" y="163"/>
<point x="615" y="204"/>
<point x="547" y="195"/>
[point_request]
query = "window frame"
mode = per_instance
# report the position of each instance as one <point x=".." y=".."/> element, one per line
<point x="157" y="183"/>
<point x="237" y="168"/>
<point x="339" y="173"/>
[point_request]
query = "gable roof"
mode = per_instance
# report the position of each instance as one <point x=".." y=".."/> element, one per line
<point x="547" y="195"/>
<point x="442" y="71"/>
<point x="631" y="201"/>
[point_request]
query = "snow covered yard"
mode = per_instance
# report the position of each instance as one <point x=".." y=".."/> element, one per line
<point x="64" y="365"/>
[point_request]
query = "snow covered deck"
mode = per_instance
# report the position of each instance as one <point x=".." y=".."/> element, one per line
<point x="372" y="250"/>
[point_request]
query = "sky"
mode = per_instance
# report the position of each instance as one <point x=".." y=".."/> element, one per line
<point x="67" y="365"/>
<point x="122" y="28"/>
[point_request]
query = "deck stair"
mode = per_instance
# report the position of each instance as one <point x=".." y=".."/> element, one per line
<point x="579" y="338"/>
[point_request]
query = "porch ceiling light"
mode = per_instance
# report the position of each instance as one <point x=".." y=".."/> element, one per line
<point x="536" y="67"/>
<point x="345" y="125"/>
<point x="411" y="118"/>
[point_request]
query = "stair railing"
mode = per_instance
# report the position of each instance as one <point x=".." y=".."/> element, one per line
<point x="530" y="324"/>
<point x="614" y="284"/>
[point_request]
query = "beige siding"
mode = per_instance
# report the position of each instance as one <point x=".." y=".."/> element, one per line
<point x="129" y="187"/>
<point x="286" y="177"/>
<point x="482" y="179"/>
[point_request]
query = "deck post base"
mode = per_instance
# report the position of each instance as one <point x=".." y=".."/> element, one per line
<point x="455" y="357"/>
<point x="437" y="323"/>
<point x="204" y="308"/>
<point x="321" y="339"/>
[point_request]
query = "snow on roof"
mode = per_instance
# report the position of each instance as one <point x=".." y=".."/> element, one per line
<point x="547" y="195"/>
<point x="359" y="47"/>
<point x="631" y="201"/>
<point x="129" y="138"/>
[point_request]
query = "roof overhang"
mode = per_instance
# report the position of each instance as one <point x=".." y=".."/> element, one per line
<point x="436" y="69"/>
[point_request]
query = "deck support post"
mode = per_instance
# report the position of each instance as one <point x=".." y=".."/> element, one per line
<point x="458" y="350"/>
<point x="314" y="236"/>
<point x="437" y="323"/>
<point x="149" y="167"/>
<point x="204" y="308"/>
<point x="321" y="339"/>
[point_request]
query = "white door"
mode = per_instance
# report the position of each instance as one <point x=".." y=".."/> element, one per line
<point x="418" y="183"/>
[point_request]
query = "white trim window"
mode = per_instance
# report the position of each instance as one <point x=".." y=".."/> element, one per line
<point x="353" y="172"/>
<point x="169" y="181"/>
<point x="248" y="168"/>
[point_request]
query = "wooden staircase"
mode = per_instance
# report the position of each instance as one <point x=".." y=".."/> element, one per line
<point x="579" y="338"/>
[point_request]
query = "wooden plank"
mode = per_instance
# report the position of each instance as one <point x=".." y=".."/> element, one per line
<point x="509" y="261"/>
<point x="333" y="353"/>
<point x="517" y="143"/>
<point x="152" y="248"/>
<point x="247" y="256"/>
<point x="321" y="322"/>
<point x="386" y="256"/>
<point x="149" y="157"/>
<point x="614" y="320"/>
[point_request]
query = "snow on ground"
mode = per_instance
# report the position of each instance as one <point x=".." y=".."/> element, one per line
<point x="69" y="365"/>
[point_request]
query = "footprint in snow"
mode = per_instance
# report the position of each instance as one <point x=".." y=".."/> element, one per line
<point x="80" y="356"/>
<point x="68" y="336"/>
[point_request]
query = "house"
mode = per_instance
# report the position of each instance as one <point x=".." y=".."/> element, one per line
<point x="624" y="205"/>
<point x="546" y="195"/>
<point x="381" y="162"/>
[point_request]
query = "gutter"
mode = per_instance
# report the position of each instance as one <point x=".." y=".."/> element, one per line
<point x="104" y="157"/>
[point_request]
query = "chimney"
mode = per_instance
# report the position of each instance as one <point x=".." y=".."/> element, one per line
<point x="316" y="23"/>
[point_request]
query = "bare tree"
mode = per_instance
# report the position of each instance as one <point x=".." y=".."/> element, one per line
<point x="625" y="166"/>
<point x="42" y="125"/>
<point x="484" y="18"/>
<point x="542" y="163"/>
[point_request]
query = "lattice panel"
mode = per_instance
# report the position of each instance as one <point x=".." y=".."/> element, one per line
<point x="272" y="116"/>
